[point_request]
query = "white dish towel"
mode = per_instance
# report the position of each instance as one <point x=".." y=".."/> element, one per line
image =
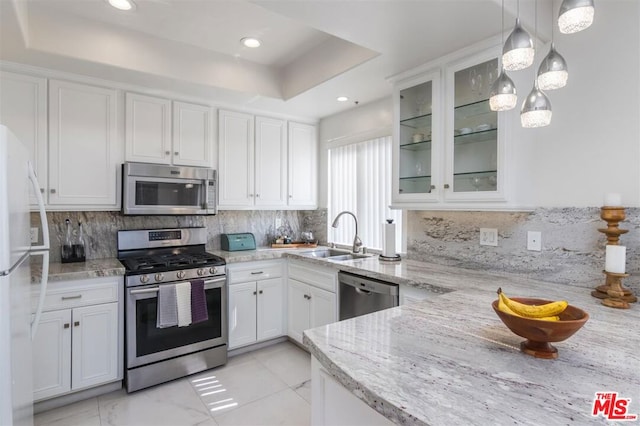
<point x="183" y="301"/>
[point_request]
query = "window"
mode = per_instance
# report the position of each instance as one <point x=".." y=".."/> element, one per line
<point x="360" y="182"/>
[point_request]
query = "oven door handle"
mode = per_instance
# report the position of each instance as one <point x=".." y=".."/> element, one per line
<point x="207" y="286"/>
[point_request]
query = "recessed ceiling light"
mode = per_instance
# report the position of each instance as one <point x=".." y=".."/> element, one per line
<point x="342" y="99"/>
<point x="122" y="4"/>
<point x="250" y="42"/>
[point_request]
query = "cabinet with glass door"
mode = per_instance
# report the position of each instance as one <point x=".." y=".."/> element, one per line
<point x="475" y="134"/>
<point x="417" y="105"/>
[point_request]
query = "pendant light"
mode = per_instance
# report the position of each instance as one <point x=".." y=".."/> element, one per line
<point x="575" y="15"/>
<point x="502" y="96"/>
<point x="518" y="52"/>
<point x="536" y="108"/>
<point x="553" y="72"/>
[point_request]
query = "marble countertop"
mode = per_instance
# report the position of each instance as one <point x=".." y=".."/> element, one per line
<point x="92" y="268"/>
<point x="450" y="360"/>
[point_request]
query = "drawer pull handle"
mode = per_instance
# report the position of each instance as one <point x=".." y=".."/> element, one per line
<point x="78" y="296"/>
<point x="257" y="273"/>
<point x="77" y="323"/>
<point x="66" y="325"/>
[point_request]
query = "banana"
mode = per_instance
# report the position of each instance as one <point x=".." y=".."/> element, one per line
<point x="502" y="306"/>
<point x="534" y="311"/>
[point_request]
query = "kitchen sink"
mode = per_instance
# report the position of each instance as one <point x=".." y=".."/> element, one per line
<point x="333" y="254"/>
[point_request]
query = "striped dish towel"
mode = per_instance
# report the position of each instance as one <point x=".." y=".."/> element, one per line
<point x="198" y="302"/>
<point x="183" y="301"/>
<point x="167" y="309"/>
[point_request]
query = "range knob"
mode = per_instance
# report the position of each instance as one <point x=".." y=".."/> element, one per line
<point x="201" y="272"/>
<point x="159" y="277"/>
<point x="144" y="279"/>
<point x="181" y="275"/>
<point x="213" y="270"/>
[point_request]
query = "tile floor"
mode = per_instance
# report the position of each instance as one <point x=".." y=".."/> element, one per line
<point x="270" y="386"/>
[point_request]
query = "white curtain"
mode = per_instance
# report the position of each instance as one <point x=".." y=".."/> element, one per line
<point x="360" y="182"/>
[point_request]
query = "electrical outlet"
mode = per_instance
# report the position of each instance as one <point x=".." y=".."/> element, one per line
<point x="488" y="237"/>
<point x="34" y="235"/>
<point x="534" y="240"/>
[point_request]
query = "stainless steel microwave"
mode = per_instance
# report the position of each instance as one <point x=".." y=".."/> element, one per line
<point x="154" y="189"/>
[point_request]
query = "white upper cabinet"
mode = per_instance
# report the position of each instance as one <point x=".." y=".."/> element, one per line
<point x="450" y="149"/>
<point x="271" y="162"/>
<point x="85" y="153"/>
<point x="191" y="135"/>
<point x="149" y="137"/>
<point x="303" y="147"/>
<point x="264" y="164"/>
<point x="235" y="160"/>
<point x="148" y="129"/>
<point x="23" y="109"/>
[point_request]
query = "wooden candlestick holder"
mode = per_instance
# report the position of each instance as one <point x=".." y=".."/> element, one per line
<point x="612" y="293"/>
<point x="613" y="216"/>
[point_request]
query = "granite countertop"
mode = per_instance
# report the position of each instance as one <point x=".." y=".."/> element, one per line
<point x="92" y="268"/>
<point x="450" y="360"/>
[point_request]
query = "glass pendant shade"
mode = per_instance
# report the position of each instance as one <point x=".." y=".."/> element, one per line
<point x="553" y="72"/>
<point x="536" y="109"/>
<point x="503" y="95"/>
<point x="575" y="15"/>
<point x="518" y="52"/>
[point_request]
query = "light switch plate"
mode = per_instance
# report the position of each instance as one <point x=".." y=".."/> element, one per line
<point x="488" y="237"/>
<point x="34" y="235"/>
<point x="534" y="240"/>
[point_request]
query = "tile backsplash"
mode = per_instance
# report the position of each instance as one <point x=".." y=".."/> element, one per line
<point x="101" y="227"/>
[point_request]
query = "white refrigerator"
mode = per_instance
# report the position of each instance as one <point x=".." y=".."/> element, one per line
<point x="17" y="323"/>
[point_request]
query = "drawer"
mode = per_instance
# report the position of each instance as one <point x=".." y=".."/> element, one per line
<point x="254" y="271"/>
<point x="317" y="276"/>
<point x="71" y="294"/>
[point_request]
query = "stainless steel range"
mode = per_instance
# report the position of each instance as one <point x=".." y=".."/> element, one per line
<point x="158" y="258"/>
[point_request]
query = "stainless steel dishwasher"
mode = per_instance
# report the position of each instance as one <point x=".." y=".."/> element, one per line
<point x="361" y="295"/>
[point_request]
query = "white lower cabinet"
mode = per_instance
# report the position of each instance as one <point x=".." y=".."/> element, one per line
<point x="332" y="404"/>
<point x="256" y="302"/>
<point x="79" y="346"/>
<point x="312" y="298"/>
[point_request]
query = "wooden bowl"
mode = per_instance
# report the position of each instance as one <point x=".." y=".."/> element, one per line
<point x="539" y="333"/>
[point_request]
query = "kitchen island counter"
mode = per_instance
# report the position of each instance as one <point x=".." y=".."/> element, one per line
<point x="450" y="360"/>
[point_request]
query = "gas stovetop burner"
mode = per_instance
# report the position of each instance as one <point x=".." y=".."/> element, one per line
<point x="171" y="261"/>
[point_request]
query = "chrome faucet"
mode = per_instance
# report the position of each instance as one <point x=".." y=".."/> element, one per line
<point x="357" y="242"/>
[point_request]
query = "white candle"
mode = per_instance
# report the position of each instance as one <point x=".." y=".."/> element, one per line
<point x="612" y="199"/>
<point x="615" y="259"/>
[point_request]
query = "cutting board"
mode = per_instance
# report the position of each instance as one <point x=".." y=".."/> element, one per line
<point x="295" y="244"/>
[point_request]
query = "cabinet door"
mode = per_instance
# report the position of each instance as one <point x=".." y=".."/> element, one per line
<point x="418" y="141"/>
<point x="23" y="109"/>
<point x="271" y="162"/>
<point x="270" y="309"/>
<point x="84" y="155"/>
<point x="299" y="294"/>
<point x="52" y="355"/>
<point x="323" y="307"/>
<point x="95" y="345"/>
<point x="242" y="314"/>
<point x="236" y="160"/>
<point x="475" y="134"/>
<point x="191" y="135"/>
<point x="148" y="129"/>
<point x="302" y="165"/>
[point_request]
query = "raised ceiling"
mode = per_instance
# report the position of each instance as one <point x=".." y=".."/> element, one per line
<point x="312" y="51"/>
